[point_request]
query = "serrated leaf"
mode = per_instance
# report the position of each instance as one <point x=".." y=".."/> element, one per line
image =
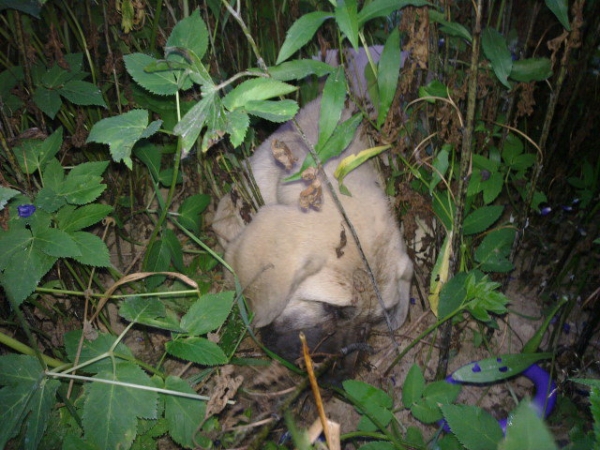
<point x="93" y="249"/>
<point x="237" y="126"/>
<point x="495" y="49"/>
<point x="11" y="242"/>
<point x="159" y="82"/>
<point x="560" y="8"/>
<point x="190" y="126"/>
<point x="49" y="200"/>
<point x="300" y="33"/>
<point x="190" y="34"/>
<point x="81" y="189"/>
<point x="494" y="250"/>
<point x="481" y="219"/>
<point x="198" y="350"/>
<point x="82" y="93"/>
<point x="121" y="133"/>
<point x="275" y="111"/>
<point x="497" y="368"/>
<point x="372" y="402"/>
<point x="388" y="73"/>
<point x="531" y="69"/>
<point x="184" y="415"/>
<point x="190" y="211"/>
<point x="208" y="313"/>
<point x="93" y="349"/>
<point x="413" y="387"/>
<point x="254" y="90"/>
<point x="57" y="243"/>
<point x="40" y="405"/>
<point x="47" y="100"/>
<point x="383" y="8"/>
<point x="475" y="428"/>
<point x="33" y="155"/>
<point x="526" y="431"/>
<point x="53" y="175"/>
<point x="346" y="17"/>
<point x="332" y="104"/>
<point x="110" y="412"/>
<point x="72" y="219"/>
<point x="299" y="69"/>
<point x="137" y="309"/>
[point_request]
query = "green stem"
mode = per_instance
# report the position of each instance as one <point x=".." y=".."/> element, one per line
<point x="26" y="350"/>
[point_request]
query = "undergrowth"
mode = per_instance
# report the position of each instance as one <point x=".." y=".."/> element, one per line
<point x="123" y="120"/>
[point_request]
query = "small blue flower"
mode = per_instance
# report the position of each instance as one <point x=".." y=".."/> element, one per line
<point x="545" y="209"/>
<point x="476" y="368"/>
<point x="25" y="210"/>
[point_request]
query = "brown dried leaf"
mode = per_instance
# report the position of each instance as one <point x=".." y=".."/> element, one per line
<point x="312" y="196"/>
<point x="225" y="389"/>
<point x="283" y="154"/>
<point x="309" y="174"/>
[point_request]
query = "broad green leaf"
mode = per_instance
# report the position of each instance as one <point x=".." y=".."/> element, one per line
<point x="413" y="387"/>
<point x="299" y="69"/>
<point x="81" y="189"/>
<point x="198" y="350"/>
<point x="560" y="8"/>
<point x="450" y="28"/>
<point x="190" y="34"/>
<point x="481" y="219"/>
<point x="372" y="402"/>
<point x="254" y="90"/>
<point x="452" y="295"/>
<point x="82" y="93"/>
<point x="497" y="368"/>
<point x="208" y="313"/>
<point x="475" y="428"/>
<point x="53" y="175"/>
<point x="332" y="104"/>
<point x="274" y="111"/>
<point x="158" y="259"/>
<point x="72" y="219"/>
<point x="5" y="195"/>
<point x="531" y="69"/>
<point x="346" y="17"/>
<point x="159" y="82"/>
<point x="526" y="431"/>
<point x="383" y="8"/>
<point x="110" y="412"/>
<point x="150" y="155"/>
<point x="175" y="249"/>
<point x="300" y="33"/>
<point x="378" y="445"/>
<point x="33" y="155"/>
<point x="40" y="405"/>
<point x="190" y="211"/>
<point x="184" y="415"/>
<point x="190" y="126"/>
<point x="57" y="243"/>
<point x="495" y="49"/>
<point x="47" y="100"/>
<point x="72" y="442"/>
<point x="513" y="147"/>
<point x="440" y="166"/>
<point x="93" y="349"/>
<point x="494" y="250"/>
<point x="13" y="241"/>
<point x="388" y="73"/>
<point x="49" y="200"/>
<point x="137" y="309"/>
<point x="434" y="89"/>
<point x="93" y="249"/>
<point x="121" y="133"/>
<point x="237" y="126"/>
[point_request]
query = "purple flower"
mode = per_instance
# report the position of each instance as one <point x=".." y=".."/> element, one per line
<point x="25" y="210"/>
<point x="545" y="209"/>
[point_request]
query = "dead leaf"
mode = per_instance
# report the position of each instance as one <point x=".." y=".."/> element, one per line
<point x="312" y="196"/>
<point x="225" y="389"/>
<point x="310" y="174"/>
<point x="283" y="154"/>
<point x="343" y="241"/>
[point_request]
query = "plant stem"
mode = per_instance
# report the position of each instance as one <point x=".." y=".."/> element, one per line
<point x="26" y="350"/>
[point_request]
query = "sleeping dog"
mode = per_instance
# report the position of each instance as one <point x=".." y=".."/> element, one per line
<point x="300" y="268"/>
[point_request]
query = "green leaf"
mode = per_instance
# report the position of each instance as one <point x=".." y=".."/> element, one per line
<point x="150" y="155"/>
<point x="383" y="8"/>
<point x="72" y="219"/>
<point x="82" y="93"/>
<point x="31" y="7"/>
<point x="494" y="250"/>
<point x="5" y="195"/>
<point x="481" y="219"/>
<point x="434" y="89"/>
<point x="13" y="241"/>
<point x="275" y="111"/>
<point x="526" y="431"/>
<point x="413" y="387"/>
<point x="190" y="211"/>
<point x="158" y="259"/>
<point x="346" y="16"/>
<point x="349" y="163"/>
<point x="299" y="69"/>
<point x="332" y="104"/>
<point x="495" y="49"/>
<point x="93" y="349"/>
<point x="560" y="8"/>
<point x="208" y="313"/>
<point x="450" y="28"/>
<point x="372" y="402"/>
<point x="237" y="126"/>
<point x="81" y="189"/>
<point x="93" y="249"/>
<point x="301" y="32"/>
<point x="497" y="368"/>
<point x="440" y="166"/>
<point x="444" y="208"/>
<point x="121" y="133"/>
<point x="161" y="82"/>
<point x="190" y="126"/>
<point x="47" y="100"/>
<point x="151" y="312"/>
<point x="184" y="415"/>
<point x="198" y="350"/>
<point x="388" y="73"/>
<point x="453" y="295"/>
<point x="475" y="428"/>
<point x="255" y="89"/>
<point x="33" y="155"/>
<point x="57" y="243"/>
<point x="531" y="69"/>
<point x="190" y="34"/>
<point x="110" y="412"/>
